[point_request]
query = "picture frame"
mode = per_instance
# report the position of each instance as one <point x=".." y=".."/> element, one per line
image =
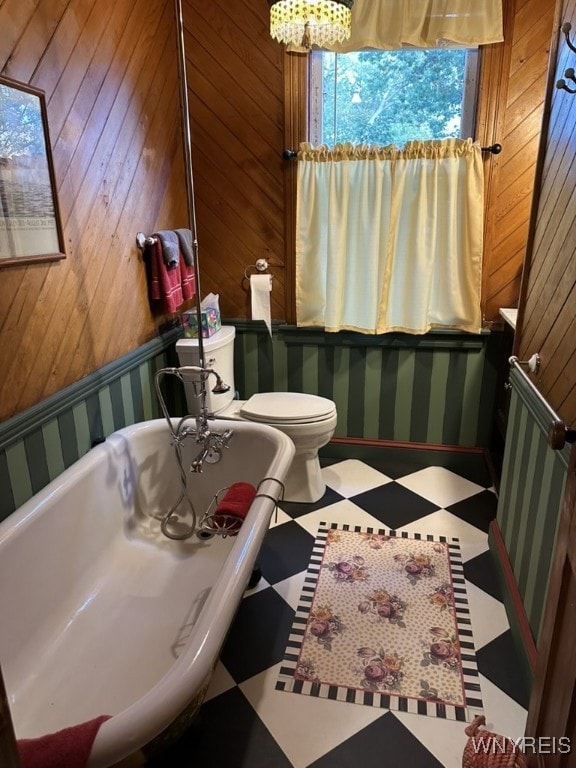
<point x="30" y="227"/>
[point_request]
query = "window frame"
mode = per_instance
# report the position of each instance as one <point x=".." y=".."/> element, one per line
<point x="470" y="94"/>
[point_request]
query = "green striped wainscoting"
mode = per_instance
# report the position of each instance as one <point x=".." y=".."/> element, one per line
<point x="436" y="389"/>
<point x="38" y="444"/>
<point x="530" y="499"/>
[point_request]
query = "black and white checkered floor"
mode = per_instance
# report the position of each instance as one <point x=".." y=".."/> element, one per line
<point x="246" y="723"/>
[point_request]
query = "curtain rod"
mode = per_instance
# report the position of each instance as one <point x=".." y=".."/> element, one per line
<point x="494" y="149"/>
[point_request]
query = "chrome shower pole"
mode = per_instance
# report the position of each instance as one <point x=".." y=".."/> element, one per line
<point x="187" y="141"/>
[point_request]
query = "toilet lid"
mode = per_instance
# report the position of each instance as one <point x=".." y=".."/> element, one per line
<point x="287" y="407"/>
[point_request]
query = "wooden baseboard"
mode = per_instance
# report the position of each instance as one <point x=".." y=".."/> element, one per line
<point x="468" y="461"/>
<point x="519" y="623"/>
<point x="370" y="443"/>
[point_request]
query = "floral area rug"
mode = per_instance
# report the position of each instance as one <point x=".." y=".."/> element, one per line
<point x="383" y="621"/>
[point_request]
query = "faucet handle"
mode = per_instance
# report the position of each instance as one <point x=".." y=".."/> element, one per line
<point x="198" y="462"/>
<point x="226" y="437"/>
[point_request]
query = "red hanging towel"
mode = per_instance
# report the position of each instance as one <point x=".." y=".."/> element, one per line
<point x="169" y="286"/>
<point x="187" y="280"/>
<point x="165" y="283"/>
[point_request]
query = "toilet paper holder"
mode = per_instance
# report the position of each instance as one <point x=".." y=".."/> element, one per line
<point x="260" y="266"/>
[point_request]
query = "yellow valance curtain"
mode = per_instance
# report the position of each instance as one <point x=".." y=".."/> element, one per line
<point x="390" y="239"/>
<point x="390" y="24"/>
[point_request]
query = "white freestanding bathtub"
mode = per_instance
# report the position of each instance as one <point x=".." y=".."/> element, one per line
<point x="103" y="615"/>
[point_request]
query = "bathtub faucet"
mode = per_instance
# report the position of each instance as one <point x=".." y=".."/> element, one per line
<point x="203" y="373"/>
<point x="218" y="388"/>
<point x="213" y="443"/>
<point x="202" y="428"/>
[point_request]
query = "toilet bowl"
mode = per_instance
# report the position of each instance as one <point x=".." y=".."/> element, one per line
<point x="308" y="420"/>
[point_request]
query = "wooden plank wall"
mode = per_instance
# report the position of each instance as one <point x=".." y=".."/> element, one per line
<point x="109" y="73"/>
<point x="110" y="76"/>
<point x="235" y="79"/>
<point x="235" y="74"/>
<point x="511" y="106"/>
<point x="548" y="321"/>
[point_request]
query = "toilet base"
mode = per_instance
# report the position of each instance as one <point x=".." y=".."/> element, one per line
<point x="304" y="483"/>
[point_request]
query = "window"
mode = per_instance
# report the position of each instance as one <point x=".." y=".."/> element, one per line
<point x="391" y="97"/>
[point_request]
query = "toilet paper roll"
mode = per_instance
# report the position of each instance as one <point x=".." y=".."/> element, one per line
<point x="260" y="289"/>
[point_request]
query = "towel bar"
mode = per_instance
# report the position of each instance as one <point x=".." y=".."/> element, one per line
<point x="558" y="433"/>
<point x="142" y="240"/>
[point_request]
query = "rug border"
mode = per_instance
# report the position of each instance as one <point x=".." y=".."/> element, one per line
<point x="470" y="675"/>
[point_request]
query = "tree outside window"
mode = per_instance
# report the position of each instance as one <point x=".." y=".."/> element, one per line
<point x="391" y="97"/>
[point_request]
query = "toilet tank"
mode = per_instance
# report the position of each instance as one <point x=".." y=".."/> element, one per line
<point x="219" y="355"/>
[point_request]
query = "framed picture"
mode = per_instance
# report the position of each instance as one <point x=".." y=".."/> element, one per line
<point x="30" y="228"/>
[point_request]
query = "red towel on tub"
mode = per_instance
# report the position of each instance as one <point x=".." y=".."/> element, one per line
<point x="234" y="504"/>
<point x="69" y="748"/>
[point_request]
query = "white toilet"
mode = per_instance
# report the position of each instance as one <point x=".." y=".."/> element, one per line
<point x="308" y="420"/>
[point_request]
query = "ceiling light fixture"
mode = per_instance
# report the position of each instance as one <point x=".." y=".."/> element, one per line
<point x="304" y="23"/>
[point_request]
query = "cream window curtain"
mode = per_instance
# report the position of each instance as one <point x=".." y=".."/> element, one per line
<point x="388" y="24"/>
<point x="389" y="239"/>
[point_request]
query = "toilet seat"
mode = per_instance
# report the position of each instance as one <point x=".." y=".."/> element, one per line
<point x="287" y="408"/>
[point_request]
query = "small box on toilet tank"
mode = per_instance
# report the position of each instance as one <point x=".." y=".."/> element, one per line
<point x="209" y="318"/>
<point x="210" y="323"/>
